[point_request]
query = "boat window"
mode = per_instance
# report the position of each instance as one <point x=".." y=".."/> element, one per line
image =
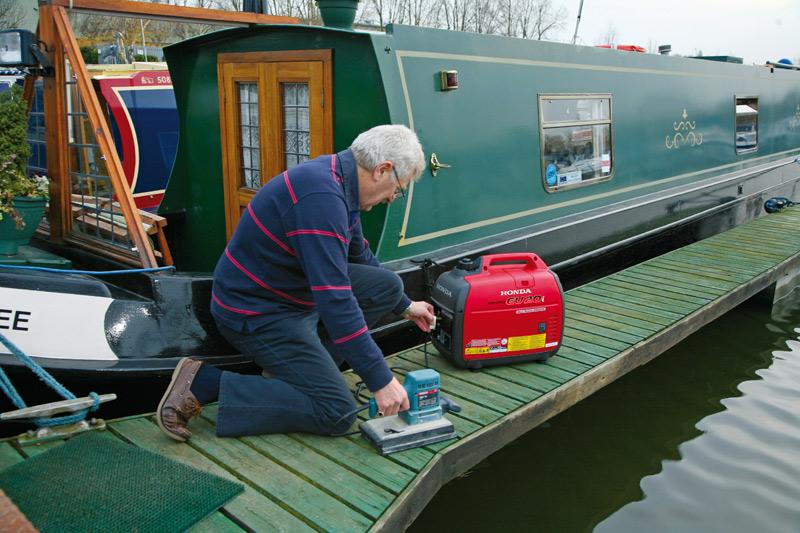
<point x="576" y="140"/>
<point x="746" y="125"/>
<point x="250" y="143"/>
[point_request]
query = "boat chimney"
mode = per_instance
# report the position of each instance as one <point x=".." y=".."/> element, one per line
<point x="665" y="49"/>
<point x="338" y="13"/>
<point x="254" y="6"/>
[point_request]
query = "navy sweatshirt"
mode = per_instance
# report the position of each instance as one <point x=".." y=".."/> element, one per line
<point x="289" y="254"/>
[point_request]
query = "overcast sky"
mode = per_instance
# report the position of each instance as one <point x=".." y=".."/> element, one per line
<point x="755" y="30"/>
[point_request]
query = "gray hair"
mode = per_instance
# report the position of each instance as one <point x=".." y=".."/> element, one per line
<point x="390" y="142"/>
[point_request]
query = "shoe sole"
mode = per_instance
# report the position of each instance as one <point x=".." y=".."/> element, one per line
<point x="175" y="374"/>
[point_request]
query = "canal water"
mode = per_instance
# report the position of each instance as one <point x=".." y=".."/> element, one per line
<point x="704" y="438"/>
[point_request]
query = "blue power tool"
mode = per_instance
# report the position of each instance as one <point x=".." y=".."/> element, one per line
<point x="423" y="423"/>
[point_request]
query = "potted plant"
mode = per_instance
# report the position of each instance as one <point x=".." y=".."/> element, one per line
<point x="22" y="198"/>
<point x="338" y="13"/>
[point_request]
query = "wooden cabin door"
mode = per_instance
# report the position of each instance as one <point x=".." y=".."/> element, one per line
<point x="275" y="113"/>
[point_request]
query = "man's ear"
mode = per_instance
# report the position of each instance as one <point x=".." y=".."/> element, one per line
<point x="383" y="166"/>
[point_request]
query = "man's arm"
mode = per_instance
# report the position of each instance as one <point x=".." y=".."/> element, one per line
<point x="317" y="229"/>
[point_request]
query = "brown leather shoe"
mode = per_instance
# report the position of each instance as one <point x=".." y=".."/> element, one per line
<point x="179" y="405"/>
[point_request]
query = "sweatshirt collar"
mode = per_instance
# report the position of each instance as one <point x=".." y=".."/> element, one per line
<point x="346" y="163"/>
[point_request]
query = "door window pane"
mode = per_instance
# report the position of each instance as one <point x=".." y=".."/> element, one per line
<point x="296" y="128"/>
<point x="250" y="141"/>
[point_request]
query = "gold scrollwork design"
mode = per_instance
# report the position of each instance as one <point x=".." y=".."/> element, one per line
<point x="689" y="138"/>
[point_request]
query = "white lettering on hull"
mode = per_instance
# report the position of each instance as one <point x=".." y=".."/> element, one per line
<point x="55" y="325"/>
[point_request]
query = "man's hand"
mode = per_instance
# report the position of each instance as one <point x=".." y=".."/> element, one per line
<point x="420" y="313"/>
<point x="391" y="399"/>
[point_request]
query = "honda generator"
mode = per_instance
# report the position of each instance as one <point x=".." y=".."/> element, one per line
<point x="498" y="309"/>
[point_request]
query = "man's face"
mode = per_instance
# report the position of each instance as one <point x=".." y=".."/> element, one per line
<point x="382" y="185"/>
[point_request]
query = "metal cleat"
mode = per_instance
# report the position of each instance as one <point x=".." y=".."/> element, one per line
<point x="48" y="410"/>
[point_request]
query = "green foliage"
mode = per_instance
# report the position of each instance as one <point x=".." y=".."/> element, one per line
<point x="14" y="154"/>
<point x="90" y="55"/>
<point x="14" y="128"/>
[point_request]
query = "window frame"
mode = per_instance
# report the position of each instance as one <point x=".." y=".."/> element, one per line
<point x="736" y="98"/>
<point x="566" y="123"/>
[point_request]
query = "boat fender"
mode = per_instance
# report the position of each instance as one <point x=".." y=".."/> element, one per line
<point x="773" y="205"/>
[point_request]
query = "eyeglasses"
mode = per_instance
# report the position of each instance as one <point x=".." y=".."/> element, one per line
<point x="398" y="192"/>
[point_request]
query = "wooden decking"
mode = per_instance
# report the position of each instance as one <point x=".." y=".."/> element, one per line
<point x="304" y="482"/>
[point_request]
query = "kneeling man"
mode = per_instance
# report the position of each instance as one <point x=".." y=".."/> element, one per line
<point x="297" y="258"/>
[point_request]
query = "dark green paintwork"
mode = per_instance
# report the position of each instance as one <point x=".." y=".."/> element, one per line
<point x="488" y="129"/>
<point x="195" y="186"/>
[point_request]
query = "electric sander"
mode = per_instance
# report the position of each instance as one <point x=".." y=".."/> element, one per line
<point x="424" y="422"/>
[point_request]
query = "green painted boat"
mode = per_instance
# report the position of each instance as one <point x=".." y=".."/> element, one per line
<point x="593" y="158"/>
<point x="573" y="152"/>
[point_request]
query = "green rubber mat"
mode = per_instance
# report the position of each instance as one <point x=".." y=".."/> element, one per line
<point x="98" y="483"/>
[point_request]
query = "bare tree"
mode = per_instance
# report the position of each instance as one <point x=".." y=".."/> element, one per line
<point x="547" y="19"/>
<point x="484" y="16"/>
<point x="420" y="12"/>
<point x="12" y="14"/>
<point x="610" y="36"/>
<point x="388" y="11"/>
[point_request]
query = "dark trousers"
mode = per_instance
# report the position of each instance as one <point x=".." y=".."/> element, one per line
<point x="306" y="391"/>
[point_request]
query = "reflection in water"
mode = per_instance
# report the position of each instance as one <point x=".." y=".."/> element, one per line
<point x="683" y="438"/>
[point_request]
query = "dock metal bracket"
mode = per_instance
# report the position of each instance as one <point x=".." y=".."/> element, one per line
<point x="47" y="410"/>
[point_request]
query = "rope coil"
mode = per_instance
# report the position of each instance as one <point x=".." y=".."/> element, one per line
<point x="9" y="390"/>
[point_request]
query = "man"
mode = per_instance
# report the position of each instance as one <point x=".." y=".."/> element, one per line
<point x="297" y="258"/>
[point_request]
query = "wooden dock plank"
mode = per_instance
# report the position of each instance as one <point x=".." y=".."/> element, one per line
<point x="614" y="308"/>
<point x="415" y="459"/>
<point x="562" y="363"/>
<point x="732" y="250"/>
<point x="675" y="284"/>
<point x="366" y="496"/>
<point x="251" y="507"/>
<point x="597" y="298"/>
<point x="601" y="341"/>
<point x="547" y="371"/>
<point x="382" y="471"/>
<point x="478" y="404"/>
<point x="631" y="294"/>
<point x="685" y="263"/>
<point x="693" y="279"/>
<point x="681" y="283"/>
<point x="515" y="375"/>
<point x="9" y="455"/>
<point x="756" y="266"/>
<point x="500" y="386"/>
<point x="604" y="318"/>
<point x="685" y="302"/>
<point x="614" y="332"/>
<point x="588" y="347"/>
<point x="740" y="266"/>
<point x="215" y="523"/>
<point x="579" y="356"/>
<point x="317" y="506"/>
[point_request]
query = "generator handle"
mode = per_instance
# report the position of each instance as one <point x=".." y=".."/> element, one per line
<point x="530" y="259"/>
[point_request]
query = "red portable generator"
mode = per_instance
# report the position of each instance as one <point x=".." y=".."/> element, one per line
<point x="498" y="309"/>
